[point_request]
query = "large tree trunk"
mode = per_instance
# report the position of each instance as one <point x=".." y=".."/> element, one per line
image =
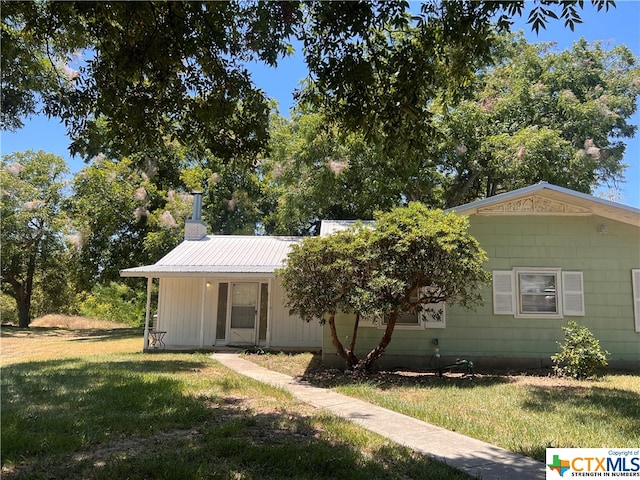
<point x="22" y="292"/>
<point x="384" y="342"/>
<point x="24" y="317"/>
<point x="348" y="355"/>
<point x="23" y="302"/>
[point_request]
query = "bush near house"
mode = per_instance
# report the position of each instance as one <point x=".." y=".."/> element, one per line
<point x="412" y="258"/>
<point x="115" y="302"/>
<point x="580" y="355"/>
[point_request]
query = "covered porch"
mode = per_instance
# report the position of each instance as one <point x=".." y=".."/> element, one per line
<point x="221" y="291"/>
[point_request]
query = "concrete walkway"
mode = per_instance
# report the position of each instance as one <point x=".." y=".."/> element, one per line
<point x="468" y="454"/>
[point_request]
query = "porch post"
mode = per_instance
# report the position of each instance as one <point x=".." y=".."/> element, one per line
<point x="147" y="314"/>
<point x="269" y="295"/>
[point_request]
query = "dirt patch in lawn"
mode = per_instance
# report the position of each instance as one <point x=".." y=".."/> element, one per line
<point x="308" y="367"/>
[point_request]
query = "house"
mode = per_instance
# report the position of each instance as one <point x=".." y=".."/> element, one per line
<point x="555" y="255"/>
<point x="220" y="290"/>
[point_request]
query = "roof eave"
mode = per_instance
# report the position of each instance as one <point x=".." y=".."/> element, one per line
<point x="605" y="208"/>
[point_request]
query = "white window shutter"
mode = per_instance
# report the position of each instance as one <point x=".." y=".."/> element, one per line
<point x="504" y="292"/>
<point x="635" y="280"/>
<point x="572" y="294"/>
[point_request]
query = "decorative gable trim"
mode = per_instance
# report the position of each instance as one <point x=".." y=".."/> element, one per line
<point x="533" y="204"/>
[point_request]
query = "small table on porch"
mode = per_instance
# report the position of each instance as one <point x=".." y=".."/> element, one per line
<point x="156" y="339"/>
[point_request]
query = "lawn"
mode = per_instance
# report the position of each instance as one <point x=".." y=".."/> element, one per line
<point x="525" y="413"/>
<point x="85" y="403"/>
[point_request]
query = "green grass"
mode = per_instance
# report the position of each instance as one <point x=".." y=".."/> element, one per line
<point x="155" y="416"/>
<point x="525" y="414"/>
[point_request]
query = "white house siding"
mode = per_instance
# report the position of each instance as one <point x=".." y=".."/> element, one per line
<point x="289" y="330"/>
<point x="180" y="311"/>
<point x="180" y="315"/>
<point x="211" y="308"/>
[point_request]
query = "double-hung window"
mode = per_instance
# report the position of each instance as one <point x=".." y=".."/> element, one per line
<point x="538" y="293"/>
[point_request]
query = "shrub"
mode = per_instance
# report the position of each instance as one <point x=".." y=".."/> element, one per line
<point x="580" y="355"/>
<point x="115" y="302"/>
<point x="8" y="309"/>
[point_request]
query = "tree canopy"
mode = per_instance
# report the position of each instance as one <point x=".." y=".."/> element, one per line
<point x="537" y="114"/>
<point x="540" y="115"/>
<point x="126" y="76"/>
<point x="403" y="102"/>
<point x="410" y="258"/>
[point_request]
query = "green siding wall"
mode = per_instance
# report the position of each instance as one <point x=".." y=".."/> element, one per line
<point x="566" y="242"/>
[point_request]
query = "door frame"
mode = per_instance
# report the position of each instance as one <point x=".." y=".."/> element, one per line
<point x="254" y="331"/>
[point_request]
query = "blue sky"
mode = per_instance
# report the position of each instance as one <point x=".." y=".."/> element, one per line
<point x="618" y="26"/>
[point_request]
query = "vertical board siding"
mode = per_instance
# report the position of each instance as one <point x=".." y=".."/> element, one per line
<point x="179" y="308"/>
<point x="179" y="314"/>
<point x="289" y="330"/>
<point x="211" y="307"/>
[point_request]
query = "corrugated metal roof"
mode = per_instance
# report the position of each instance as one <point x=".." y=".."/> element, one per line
<point x="220" y="254"/>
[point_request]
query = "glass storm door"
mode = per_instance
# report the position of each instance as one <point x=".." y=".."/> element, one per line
<point x="244" y="309"/>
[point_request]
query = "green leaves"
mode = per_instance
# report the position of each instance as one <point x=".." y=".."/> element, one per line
<point x="126" y="76"/>
<point x="580" y="355"/>
<point x="541" y="115"/>
<point x="32" y="222"/>
<point x="376" y="271"/>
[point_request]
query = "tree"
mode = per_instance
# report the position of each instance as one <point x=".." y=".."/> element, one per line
<point x="130" y="74"/>
<point x="32" y="223"/>
<point x="411" y="258"/>
<point x="125" y="76"/>
<point x="319" y="171"/>
<point x="541" y="115"/>
<point x="122" y="218"/>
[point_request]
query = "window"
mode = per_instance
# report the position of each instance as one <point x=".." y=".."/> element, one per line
<point x="427" y="316"/>
<point x="538" y="293"/>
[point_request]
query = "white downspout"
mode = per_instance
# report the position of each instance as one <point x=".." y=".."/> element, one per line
<point x="147" y="314"/>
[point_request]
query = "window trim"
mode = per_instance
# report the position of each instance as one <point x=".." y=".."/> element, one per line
<point x="635" y="286"/>
<point x="518" y="313"/>
<point x="424" y="319"/>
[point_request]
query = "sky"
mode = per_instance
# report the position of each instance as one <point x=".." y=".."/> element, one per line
<point x="619" y="25"/>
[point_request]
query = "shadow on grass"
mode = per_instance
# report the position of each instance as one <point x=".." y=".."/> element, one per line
<point x="58" y="405"/>
<point x="126" y="419"/>
<point x="614" y="408"/>
<point x="113" y="334"/>
<point x="88" y="334"/>
<point x="319" y="375"/>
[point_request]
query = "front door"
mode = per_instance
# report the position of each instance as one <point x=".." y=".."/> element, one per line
<point x="244" y="310"/>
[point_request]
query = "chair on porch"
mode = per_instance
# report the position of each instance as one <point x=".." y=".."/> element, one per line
<point x="156" y="336"/>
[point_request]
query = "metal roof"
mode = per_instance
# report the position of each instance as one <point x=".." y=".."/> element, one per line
<point x="220" y="254"/>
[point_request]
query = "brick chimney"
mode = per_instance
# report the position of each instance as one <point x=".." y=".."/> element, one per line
<point x="194" y="228"/>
